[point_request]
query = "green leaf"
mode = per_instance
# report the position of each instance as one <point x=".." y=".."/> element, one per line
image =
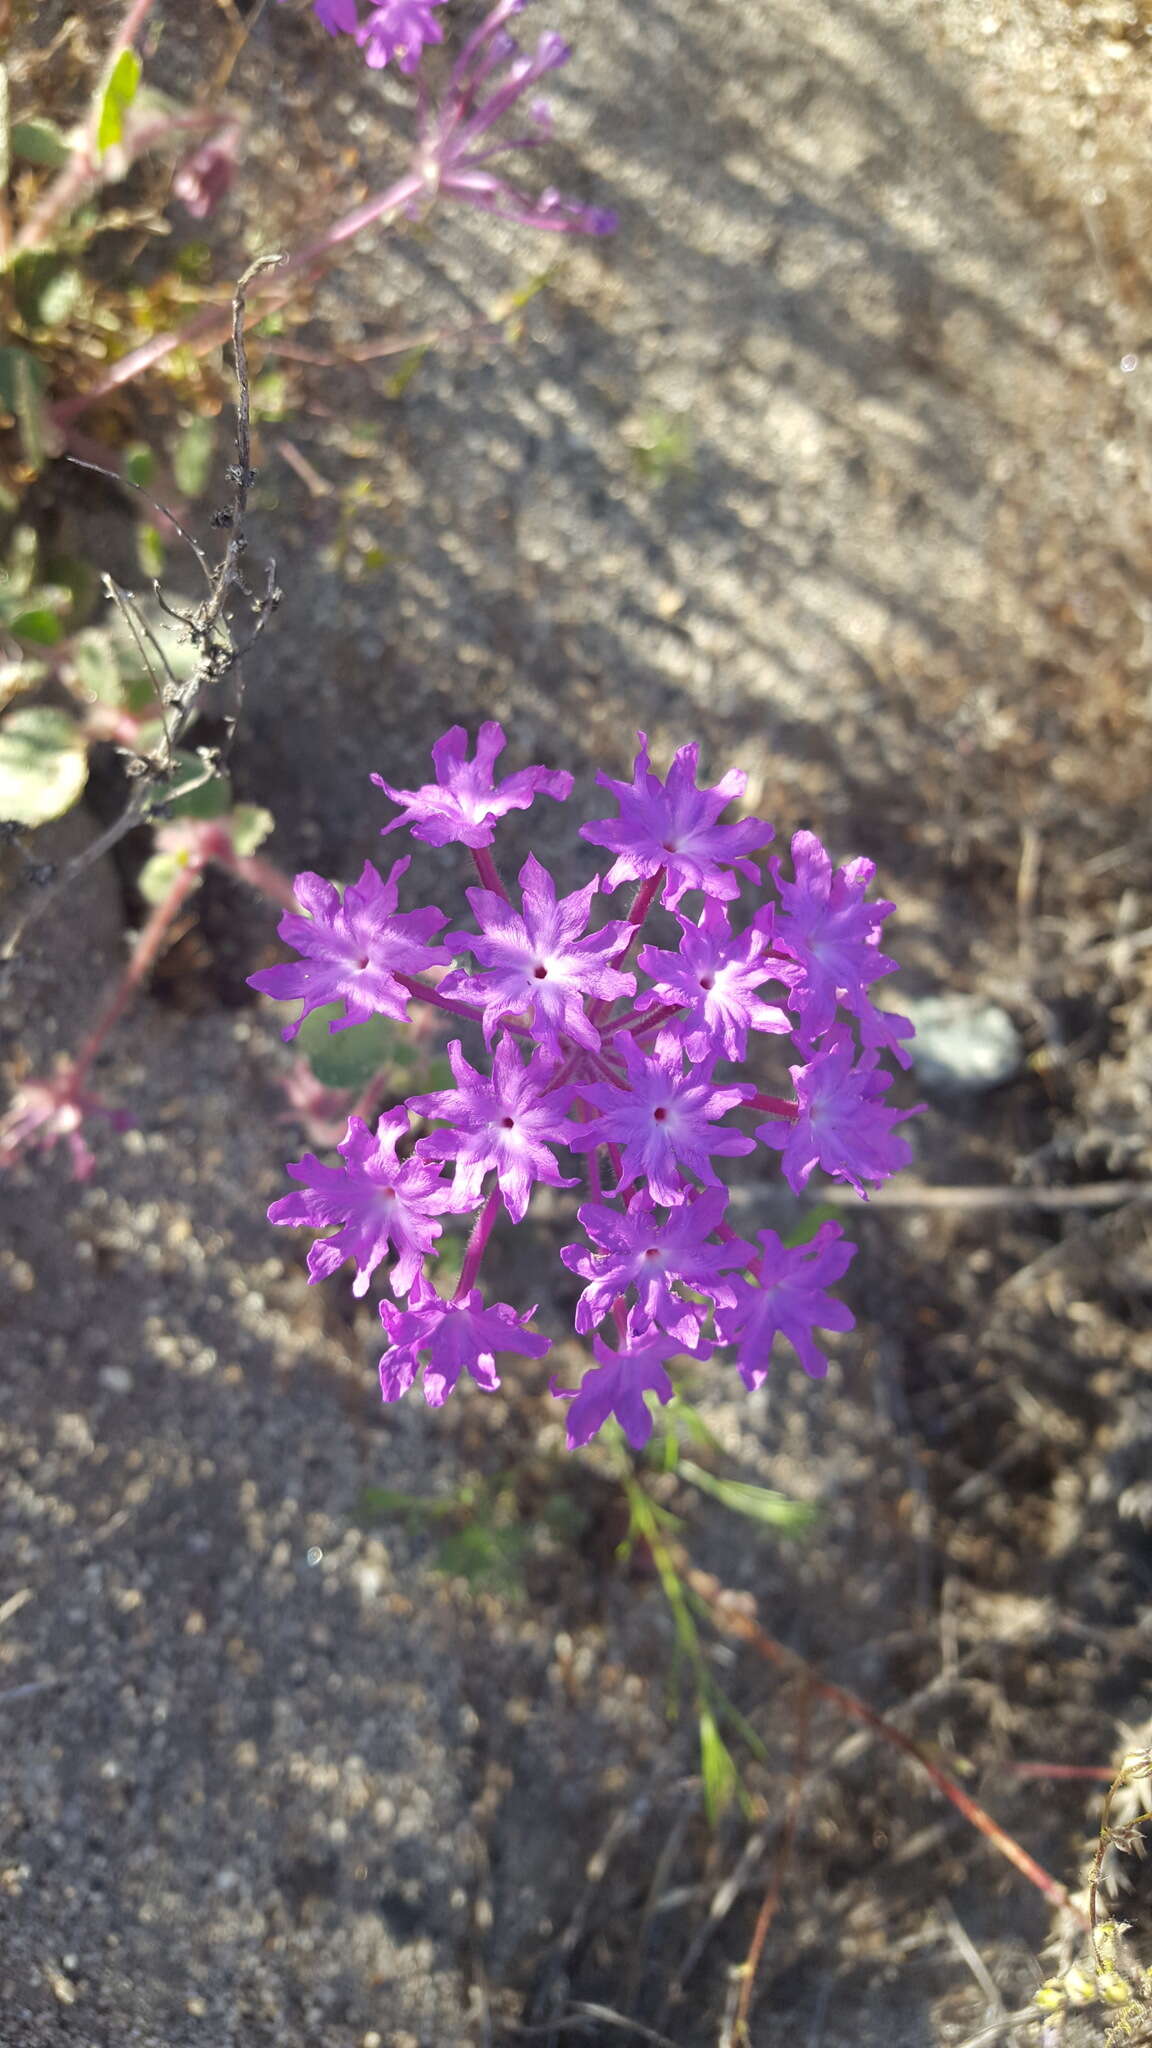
<point x="189" y="795"/>
<point x="40" y="141"/>
<point x="192" y="456"/>
<point x="95" y="669"/>
<point x="43" y="765"/>
<point x="150" y="551"/>
<point x="250" y="826"/>
<point x="399" y="381"/>
<point x="717" y="1767"/>
<point x="346" y="1059"/>
<point x="139" y="464"/>
<point x="158" y="875"/>
<point x="119" y="93"/>
<point x="759" y="1503"/>
<point x="39" y="625"/>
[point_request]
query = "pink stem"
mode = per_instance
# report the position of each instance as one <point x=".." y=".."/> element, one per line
<point x="428" y="994"/>
<point x="488" y="872"/>
<point x="266" y="877"/>
<point x="775" y="1106"/>
<point x="145" y="951"/>
<point x="214" y="324"/>
<point x="481" y="1232"/>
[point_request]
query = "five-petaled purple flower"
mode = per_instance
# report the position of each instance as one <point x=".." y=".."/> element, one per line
<point x="379" y="1200"/>
<point x="672" y="826"/>
<point x="353" y="950"/>
<point x="463" y="805"/>
<point x="637" y="1249"/>
<point x="539" y="964"/>
<point x="665" y="1121"/>
<point x="619" y="1069"/>
<point x="617" y="1383"/>
<point x="452" y="1337"/>
<point x="789" y="1299"/>
<point x="503" y="1124"/>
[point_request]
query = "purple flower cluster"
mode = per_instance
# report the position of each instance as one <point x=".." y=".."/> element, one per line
<point x="616" y="1064"/>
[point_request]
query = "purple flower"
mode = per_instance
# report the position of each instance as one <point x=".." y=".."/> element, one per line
<point x="339" y="17"/>
<point x="673" y="826"/>
<point x="457" y="146"/>
<point x="841" y="1124"/>
<point x="539" y="963"/>
<point x="452" y="1337"/>
<point x="504" y="1123"/>
<point x="397" y="30"/>
<point x="789" y="1299"/>
<point x="825" y="925"/>
<point x="379" y="1199"/>
<point x="714" y="976"/>
<point x="617" y="1384"/>
<point x="664" y="1119"/>
<point x="353" y="950"/>
<point x="637" y="1250"/>
<point x="463" y="804"/>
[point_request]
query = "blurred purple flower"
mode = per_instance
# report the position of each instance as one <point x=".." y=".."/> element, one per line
<point x="204" y="177"/>
<point x="44" y="1114"/>
<point x="396" y="31"/>
<point x="825" y="925"/>
<point x="457" y="146"/>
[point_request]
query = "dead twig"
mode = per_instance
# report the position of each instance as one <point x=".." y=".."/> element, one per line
<point x="771" y="1900"/>
<point x="902" y="1194"/>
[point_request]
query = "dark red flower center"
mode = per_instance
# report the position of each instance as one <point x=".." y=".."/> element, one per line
<point x="660" y="1116"/>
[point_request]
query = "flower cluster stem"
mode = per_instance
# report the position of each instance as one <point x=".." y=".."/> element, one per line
<point x="481" y="1232"/>
<point x="144" y="955"/>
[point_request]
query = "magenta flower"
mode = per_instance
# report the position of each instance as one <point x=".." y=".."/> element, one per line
<point x="789" y="1300"/>
<point x="673" y="826"/>
<point x="396" y="31"/>
<point x="713" y="976"/>
<point x="457" y="145"/>
<point x="638" y="1250"/>
<point x="339" y="17"/>
<point x="504" y="1124"/>
<point x="451" y="1337"/>
<point x="664" y="1119"/>
<point x="463" y="805"/>
<point x="538" y="963"/>
<point x="834" y="936"/>
<point x="352" y="950"/>
<point x="841" y="1124"/>
<point x="379" y="1200"/>
<point x="617" y="1384"/>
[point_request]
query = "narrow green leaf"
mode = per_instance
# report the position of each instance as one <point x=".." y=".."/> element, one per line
<point x="139" y="464"/>
<point x="717" y="1767"/>
<point x="43" y="765"/>
<point x="39" y="141"/>
<point x="119" y="93"/>
<point x="150" y="550"/>
<point x="758" y="1503"/>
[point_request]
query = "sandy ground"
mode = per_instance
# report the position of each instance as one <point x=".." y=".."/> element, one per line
<point x="830" y="460"/>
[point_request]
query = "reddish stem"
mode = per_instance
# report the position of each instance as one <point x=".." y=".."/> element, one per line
<point x="775" y="1106"/>
<point x="733" y="1619"/>
<point x="146" y="950"/>
<point x="481" y="1232"/>
<point x="488" y="872"/>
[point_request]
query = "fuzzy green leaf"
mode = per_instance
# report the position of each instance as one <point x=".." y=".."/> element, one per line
<point x="39" y="626"/>
<point x="250" y="826"/>
<point x="43" y="765"/>
<point x="157" y="876"/>
<point x="347" y="1059"/>
<point x="39" y="141"/>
